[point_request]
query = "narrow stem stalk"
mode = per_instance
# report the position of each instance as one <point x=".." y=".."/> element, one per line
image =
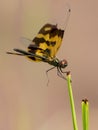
<point x="85" y="114"/>
<point x="72" y="102"/>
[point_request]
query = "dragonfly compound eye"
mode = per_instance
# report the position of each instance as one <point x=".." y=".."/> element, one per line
<point x="63" y="63"/>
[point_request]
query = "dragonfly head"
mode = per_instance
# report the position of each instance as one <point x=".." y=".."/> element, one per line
<point x="63" y="63"/>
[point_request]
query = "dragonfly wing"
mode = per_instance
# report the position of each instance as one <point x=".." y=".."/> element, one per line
<point x="25" y="41"/>
<point x="49" y="39"/>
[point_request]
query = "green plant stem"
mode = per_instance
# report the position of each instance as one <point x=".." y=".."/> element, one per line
<point x="85" y="114"/>
<point x="72" y="102"/>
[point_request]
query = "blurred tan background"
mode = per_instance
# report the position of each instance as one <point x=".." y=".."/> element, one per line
<point x="26" y="103"/>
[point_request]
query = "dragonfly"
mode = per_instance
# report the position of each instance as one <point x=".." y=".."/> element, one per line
<point x="44" y="46"/>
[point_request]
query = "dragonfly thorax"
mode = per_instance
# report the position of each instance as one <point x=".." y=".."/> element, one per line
<point x="58" y="63"/>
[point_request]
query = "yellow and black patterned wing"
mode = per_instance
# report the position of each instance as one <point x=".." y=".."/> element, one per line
<point x="47" y="42"/>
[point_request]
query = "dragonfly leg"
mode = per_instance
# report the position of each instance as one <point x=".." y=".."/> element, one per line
<point x="47" y="74"/>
